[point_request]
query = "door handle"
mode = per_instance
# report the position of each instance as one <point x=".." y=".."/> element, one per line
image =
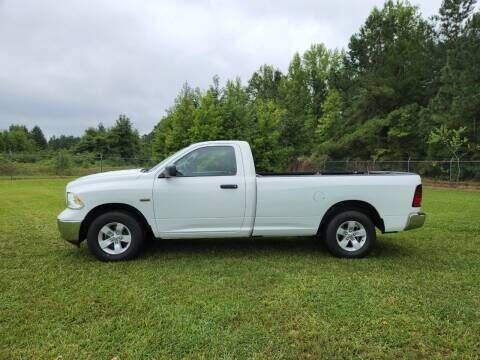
<point x="229" y="186"/>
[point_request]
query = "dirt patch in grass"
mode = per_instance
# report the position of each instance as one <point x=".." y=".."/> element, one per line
<point x="452" y="185"/>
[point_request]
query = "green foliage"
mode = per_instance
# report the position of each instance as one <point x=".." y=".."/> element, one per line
<point x="207" y="119"/>
<point x="332" y="116"/>
<point x="380" y="99"/>
<point x="452" y="139"/>
<point x="17" y="127"/>
<point x="173" y="131"/>
<point x="264" y="83"/>
<point x="266" y="137"/>
<point x="276" y="113"/>
<point x="390" y="61"/>
<point x="404" y="135"/>
<point x="38" y="138"/>
<point x="62" y="163"/>
<point x="7" y="166"/>
<point x="452" y="17"/>
<point x="122" y="139"/>
<point x="321" y="66"/>
<point x="235" y="109"/>
<point x="16" y="140"/>
<point x="296" y="100"/>
<point x="457" y="102"/>
<point x="63" y="142"/>
<point x="94" y="140"/>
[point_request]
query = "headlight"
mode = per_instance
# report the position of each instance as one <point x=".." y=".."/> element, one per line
<point x="74" y="201"/>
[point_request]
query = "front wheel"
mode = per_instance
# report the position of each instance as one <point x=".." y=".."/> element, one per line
<point x="350" y="234"/>
<point x="114" y="236"/>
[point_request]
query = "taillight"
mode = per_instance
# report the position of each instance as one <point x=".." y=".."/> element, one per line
<point x="417" y="197"/>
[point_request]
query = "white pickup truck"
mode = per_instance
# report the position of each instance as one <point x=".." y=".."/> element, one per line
<point x="211" y="189"/>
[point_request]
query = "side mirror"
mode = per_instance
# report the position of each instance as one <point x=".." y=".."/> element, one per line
<point x="170" y="170"/>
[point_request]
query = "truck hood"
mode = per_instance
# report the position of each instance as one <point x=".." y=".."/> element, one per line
<point x="105" y="177"/>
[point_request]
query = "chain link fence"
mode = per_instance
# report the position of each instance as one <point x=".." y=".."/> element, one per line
<point x="444" y="170"/>
<point x="64" y="164"/>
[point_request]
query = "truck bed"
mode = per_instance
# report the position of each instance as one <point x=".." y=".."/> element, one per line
<point x="319" y="173"/>
<point x="289" y="203"/>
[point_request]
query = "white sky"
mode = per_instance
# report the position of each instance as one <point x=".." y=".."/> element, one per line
<point x="67" y="65"/>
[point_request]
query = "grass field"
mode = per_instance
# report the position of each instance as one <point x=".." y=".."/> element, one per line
<point x="416" y="296"/>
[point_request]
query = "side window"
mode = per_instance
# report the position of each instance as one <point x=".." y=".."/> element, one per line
<point x="208" y="161"/>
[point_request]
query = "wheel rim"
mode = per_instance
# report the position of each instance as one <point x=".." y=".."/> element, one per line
<point x="351" y="235"/>
<point x="114" y="238"/>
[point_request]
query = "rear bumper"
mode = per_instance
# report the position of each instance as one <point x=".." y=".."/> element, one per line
<point x="415" y="220"/>
<point x="70" y="230"/>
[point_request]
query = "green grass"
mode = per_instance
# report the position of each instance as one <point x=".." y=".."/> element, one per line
<point x="416" y="296"/>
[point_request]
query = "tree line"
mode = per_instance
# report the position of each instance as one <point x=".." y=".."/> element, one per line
<point x="121" y="140"/>
<point x="405" y="87"/>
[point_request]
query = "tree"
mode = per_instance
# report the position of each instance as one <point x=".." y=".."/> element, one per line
<point x="63" y="142"/>
<point x="295" y="98"/>
<point x="320" y="64"/>
<point x="391" y="60"/>
<point x="62" y="162"/>
<point x="146" y="145"/>
<point x="453" y="140"/>
<point x="17" y="140"/>
<point x="207" y="119"/>
<point x="453" y="15"/>
<point x="172" y="132"/>
<point x="16" y="127"/>
<point x="264" y="83"/>
<point x="266" y="139"/>
<point x="332" y="110"/>
<point x="387" y="67"/>
<point x="401" y="77"/>
<point x="3" y="141"/>
<point x="457" y="102"/>
<point x="94" y="140"/>
<point x="235" y="111"/>
<point x="37" y="136"/>
<point x="123" y="139"/>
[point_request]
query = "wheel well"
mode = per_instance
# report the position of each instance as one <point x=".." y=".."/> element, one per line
<point x="101" y="209"/>
<point x="356" y="205"/>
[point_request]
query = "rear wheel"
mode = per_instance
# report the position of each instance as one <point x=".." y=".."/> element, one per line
<point x="350" y="234"/>
<point x="115" y="236"/>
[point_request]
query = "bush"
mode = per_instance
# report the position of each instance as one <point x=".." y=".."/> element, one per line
<point x="7" y="167"/>
<point x="63" y="163"/>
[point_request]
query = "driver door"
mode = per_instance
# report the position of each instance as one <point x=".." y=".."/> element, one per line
<point x="206" y="198"/>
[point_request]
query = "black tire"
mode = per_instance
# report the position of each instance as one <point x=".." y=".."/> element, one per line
<point x="134" y="229"/>
<point x="340" y="219"/>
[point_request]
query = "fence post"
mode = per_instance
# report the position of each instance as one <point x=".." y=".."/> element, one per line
<point x="450" y="170"/>
<point x="458" y="170"/>
<point x="11" y="160"/>
<point x="101" y="162"/>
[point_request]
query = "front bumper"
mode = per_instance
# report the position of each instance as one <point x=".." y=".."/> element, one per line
<point x="415" y="220"/>
<point x="70" y="231"/>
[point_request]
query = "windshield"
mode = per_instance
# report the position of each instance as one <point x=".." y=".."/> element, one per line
<point x="160" y="164"/>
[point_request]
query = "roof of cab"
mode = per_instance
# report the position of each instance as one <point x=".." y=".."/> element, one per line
<point x="221" y="142"/>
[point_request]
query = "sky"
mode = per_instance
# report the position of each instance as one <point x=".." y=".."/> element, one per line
<point x="67" y="65"/>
